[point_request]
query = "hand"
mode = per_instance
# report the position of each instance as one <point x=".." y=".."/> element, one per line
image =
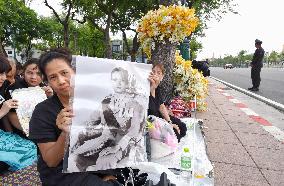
<point x="64" y="119"/>
<point x="9" y="104"/>
<point x="176" y="127"/>
<point x="154" y="81"/>
<point x="48" y="90"/>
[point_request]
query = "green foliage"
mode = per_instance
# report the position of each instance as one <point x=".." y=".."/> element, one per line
<point x="87" y="40"/>
<point x="195" y="46"/>
<point x="18" y="24"/>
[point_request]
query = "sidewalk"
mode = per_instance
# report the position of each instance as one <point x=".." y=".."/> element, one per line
<point x="242" y="152"/>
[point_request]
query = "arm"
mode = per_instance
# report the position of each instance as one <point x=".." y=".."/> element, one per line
<point x="257" y="57"/>
<point x="14" y="120"/>
<point x="53" y="152"/>
<point x="164" y="111"/>
<point x="7" y="105"/>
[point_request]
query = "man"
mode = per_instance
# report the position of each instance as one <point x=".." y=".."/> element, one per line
<point x="256" y="65"/>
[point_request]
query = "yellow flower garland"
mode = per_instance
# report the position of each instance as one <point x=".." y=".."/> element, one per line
<point x="172" y="23"/>
<point x="190" y="82"/>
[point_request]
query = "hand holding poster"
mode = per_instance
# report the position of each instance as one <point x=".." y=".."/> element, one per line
<point x="110" y="107"/>
<point x="27" y="98"/>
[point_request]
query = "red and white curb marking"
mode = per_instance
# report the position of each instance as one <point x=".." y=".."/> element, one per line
<point x="266" y="125"/>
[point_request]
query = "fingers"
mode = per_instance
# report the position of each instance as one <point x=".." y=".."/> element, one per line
<point x="12" y="103"/>
<point x="176" y="127"/>
<point x="64" y="119"/>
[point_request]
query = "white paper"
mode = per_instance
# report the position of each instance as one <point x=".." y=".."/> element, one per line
<point x="110" y="110"/>
<point x="27" y="98"/>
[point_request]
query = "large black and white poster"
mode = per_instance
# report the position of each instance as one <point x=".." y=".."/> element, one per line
<point x="110" y="106"/>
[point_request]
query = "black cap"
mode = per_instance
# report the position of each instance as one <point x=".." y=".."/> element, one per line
<point x="258" y="41"/>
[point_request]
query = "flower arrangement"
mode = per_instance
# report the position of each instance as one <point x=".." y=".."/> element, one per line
<point x="171" y="24"/>
<point x="190" y="82"/>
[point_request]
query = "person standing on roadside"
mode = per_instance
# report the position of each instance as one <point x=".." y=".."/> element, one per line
<point x="256" y="65"/>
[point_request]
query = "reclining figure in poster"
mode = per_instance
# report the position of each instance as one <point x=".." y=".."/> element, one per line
<point x="113" y="135"/>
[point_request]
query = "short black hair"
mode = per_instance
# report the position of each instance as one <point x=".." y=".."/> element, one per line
<point x="47" y="57"/>
<point x="29" y="62"/>
<point x="5" y="66"/>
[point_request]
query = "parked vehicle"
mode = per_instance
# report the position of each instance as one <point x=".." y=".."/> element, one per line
<point x="228" y="66"/>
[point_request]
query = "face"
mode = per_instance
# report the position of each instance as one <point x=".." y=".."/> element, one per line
<point x="58" y="74"/>
<point x="32" y="75"/>
<point x="158" y="72"/>
<point x="118" y="83"/>
<point x="2" y="78"/>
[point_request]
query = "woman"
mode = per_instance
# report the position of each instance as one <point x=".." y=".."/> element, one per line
<point x="15" y="152"/>
<point x="32" y="78"/>
<point x="50" y="122"/>
<point x="157" y="106"/>
<point x="116" y="128"/>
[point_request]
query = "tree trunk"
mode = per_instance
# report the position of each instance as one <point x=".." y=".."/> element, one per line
<point x="165" y="54"/>
<point x="108" y="50"/>
<point x="66" y="35"/>
<point x="2" y="48"/>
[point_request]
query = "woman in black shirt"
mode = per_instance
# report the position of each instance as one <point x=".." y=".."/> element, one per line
<point x="32" y="78"/>
<point x="50" y="122"/>
<point x="16" y="152"/>
<point x="157" y="106"/>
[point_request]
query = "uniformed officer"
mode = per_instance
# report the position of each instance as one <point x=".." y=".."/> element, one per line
<point x="256" y="65"/>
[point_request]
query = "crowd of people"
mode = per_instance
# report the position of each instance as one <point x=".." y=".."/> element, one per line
<point x="51" y="119"/>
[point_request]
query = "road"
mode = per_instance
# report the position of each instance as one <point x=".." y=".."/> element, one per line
<point x="271" y="86"/>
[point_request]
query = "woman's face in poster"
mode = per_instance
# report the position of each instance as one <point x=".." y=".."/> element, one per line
<point x="119" y="83"/>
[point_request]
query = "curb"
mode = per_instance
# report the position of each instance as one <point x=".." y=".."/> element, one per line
<point x="266" y="125"/>
<point x="270" y="102"/>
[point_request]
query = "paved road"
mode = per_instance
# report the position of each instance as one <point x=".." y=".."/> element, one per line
<point x="271" y="86"/>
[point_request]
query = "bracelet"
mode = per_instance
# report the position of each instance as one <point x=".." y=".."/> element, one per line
<point x="170" y="122"/>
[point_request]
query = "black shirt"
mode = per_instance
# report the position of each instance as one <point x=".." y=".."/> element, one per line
<point x="43" y="129"/>
<point x="2" y="98"/>
<point x="154" y="104"/>
<point x="258" y="58"/>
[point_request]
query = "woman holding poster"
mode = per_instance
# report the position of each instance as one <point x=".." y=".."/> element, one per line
<point x="50" y="124"/>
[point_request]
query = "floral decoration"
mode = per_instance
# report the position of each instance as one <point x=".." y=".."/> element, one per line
<point x="172" y="24"/>
<point x="190" y="82"/>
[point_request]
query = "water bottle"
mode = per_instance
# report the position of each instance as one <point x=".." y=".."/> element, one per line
<point x="185" y="163"/>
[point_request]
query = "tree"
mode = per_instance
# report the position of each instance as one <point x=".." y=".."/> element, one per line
<point x="241" y="57"/>
<point x="64" y="19"/>
<point x="273" y="57"/>
<point x="18" y="25"/>
<point x="51" y="34"/>
<point x="99" y="13"/>
<point x="87" y="40"/>
<point x="195" y="46"/>
<point x="127" y="16"/>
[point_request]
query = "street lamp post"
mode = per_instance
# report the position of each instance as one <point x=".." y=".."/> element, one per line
<point x="184" y="46"/>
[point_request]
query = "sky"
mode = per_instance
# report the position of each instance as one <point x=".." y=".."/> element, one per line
<point x="256" y="19"/>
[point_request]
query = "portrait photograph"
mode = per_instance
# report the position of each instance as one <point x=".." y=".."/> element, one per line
<point x="110" y="106"/>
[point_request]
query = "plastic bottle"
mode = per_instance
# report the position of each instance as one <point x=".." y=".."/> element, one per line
<point x="185" y="163"/>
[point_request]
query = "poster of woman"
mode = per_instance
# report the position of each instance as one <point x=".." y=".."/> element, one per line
<point x="110" y="106"/>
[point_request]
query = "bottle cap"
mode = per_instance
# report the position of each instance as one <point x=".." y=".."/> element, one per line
<point x="185" y="149"/>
